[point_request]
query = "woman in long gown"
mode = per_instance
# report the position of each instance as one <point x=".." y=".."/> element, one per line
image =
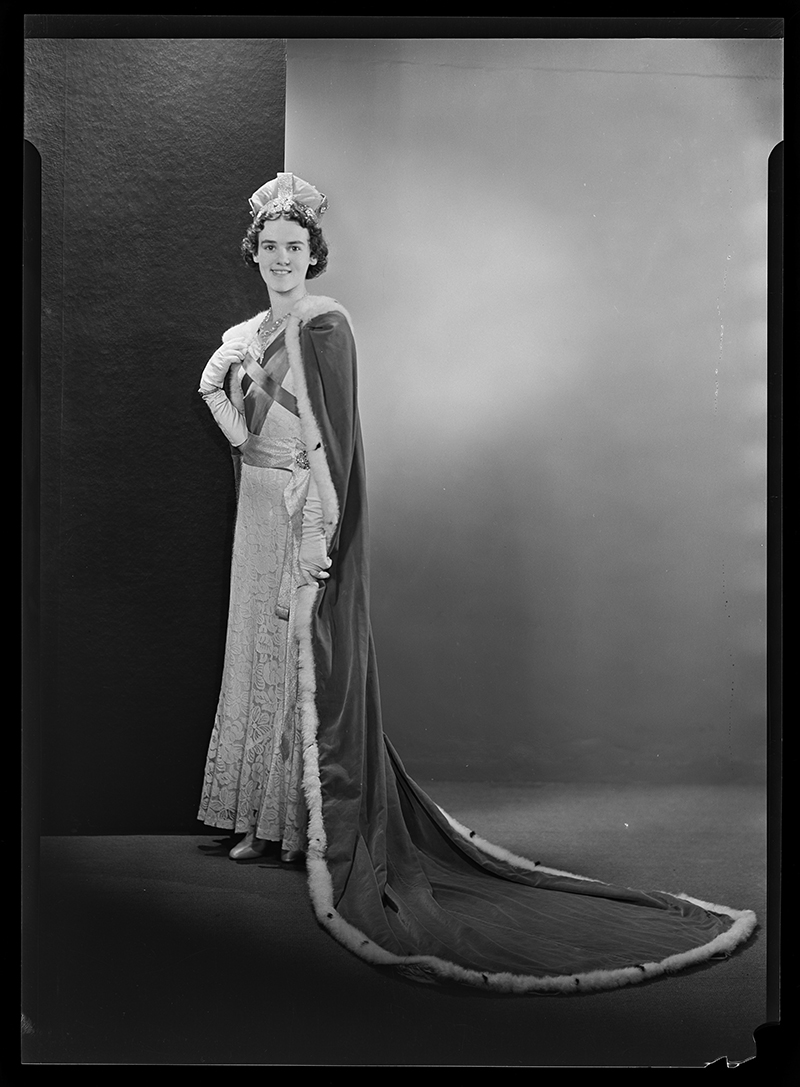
<point x="254" y="767"/>
<point x="391" y="876"/>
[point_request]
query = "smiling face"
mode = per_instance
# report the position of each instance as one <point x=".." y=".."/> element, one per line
<point x="283" y="258"/>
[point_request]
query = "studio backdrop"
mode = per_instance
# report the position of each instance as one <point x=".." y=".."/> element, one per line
<point x="553" y="253"/>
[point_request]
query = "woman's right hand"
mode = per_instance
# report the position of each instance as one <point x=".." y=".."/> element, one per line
<point x="231" y="352"/>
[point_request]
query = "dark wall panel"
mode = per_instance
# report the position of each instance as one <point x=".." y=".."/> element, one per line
<point x="149" y="150"/>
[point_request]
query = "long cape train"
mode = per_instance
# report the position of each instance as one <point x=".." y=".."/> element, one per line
<point x="391" y="876"/>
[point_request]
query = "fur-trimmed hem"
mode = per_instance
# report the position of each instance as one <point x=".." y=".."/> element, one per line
<point x="501" y="854"/>
<point x="430" y="968"/>
<point x="309" y="724"/>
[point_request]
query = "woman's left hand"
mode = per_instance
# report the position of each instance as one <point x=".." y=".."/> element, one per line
<point x="314" y="561"/>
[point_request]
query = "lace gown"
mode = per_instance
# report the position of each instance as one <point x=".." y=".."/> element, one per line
<point x="391" y="876"/>
<point x="253" y="771"/>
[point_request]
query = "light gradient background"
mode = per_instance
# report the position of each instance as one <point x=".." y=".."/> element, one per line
<point x="554" y="254"/>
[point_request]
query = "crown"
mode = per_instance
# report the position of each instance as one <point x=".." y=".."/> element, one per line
<point x="285" y="191"/>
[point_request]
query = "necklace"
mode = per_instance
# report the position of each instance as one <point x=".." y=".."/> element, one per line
<point x="267" y="330"/>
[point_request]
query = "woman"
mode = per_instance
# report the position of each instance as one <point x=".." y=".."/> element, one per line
<point x="254" y="768"/>
<point x="391" y="876"/>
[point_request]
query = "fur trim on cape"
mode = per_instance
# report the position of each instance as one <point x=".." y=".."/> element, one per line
<point x="429" y="968"/>
<point x="245" y="330"/>
<point x="424" y="968"/>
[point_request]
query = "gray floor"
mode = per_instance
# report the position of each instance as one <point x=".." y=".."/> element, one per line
<point x="159" y="950"/>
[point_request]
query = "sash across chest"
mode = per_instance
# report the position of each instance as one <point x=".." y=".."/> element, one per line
<point x="261" y="385"/>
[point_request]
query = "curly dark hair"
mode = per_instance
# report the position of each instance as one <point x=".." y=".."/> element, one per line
<point x="317" y="244"/>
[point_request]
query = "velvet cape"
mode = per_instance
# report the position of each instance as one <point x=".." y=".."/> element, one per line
<point x="391" y="876"/>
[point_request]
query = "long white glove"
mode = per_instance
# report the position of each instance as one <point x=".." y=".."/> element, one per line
<point x="314" y="561"/>
<point x="229" y="419"/>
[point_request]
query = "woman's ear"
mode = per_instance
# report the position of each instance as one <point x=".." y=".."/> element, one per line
<point x="313" y="260"/>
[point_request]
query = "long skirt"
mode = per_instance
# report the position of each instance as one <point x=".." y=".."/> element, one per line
<point x="253" y="771"/>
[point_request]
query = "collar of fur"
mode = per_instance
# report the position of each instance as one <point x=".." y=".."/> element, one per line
<point x="309" y="307"/>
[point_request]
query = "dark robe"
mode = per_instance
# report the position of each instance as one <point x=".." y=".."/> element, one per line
<point x="392" y="876"/>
